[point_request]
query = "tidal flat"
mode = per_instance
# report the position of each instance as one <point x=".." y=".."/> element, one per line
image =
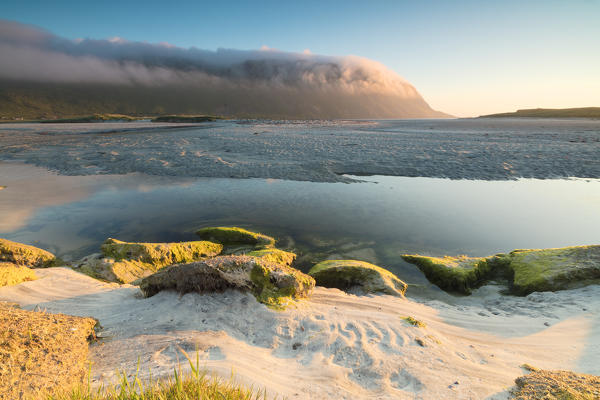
<point x="361" y="190"/>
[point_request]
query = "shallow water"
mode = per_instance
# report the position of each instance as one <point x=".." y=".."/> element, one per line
<point x="376" y="220"/>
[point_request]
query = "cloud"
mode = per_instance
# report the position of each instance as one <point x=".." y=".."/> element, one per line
<point x="32" y="54"/>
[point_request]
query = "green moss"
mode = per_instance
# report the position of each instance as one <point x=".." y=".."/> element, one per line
<point x="235" y="236"/>
<point x="414" y="322"/>
<point x="160" y="254"/>
<point x="345" y="274"/>
<point x="277" y="286"/>
<point x="12" y="274"/>
<point x="554" y="269"/>
<point x="22" y="254"/>
<point x="126" y="262"/>
<point x="528" y="270"/>
<point x="275" y="256"/>
<point x="457" y="274"/>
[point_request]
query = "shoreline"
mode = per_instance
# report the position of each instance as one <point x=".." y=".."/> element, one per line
<point x="338" y="345"/>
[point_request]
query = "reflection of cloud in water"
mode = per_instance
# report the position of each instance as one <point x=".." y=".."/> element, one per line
<point x="28" y="189"/>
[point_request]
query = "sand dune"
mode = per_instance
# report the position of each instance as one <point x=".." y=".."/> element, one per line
<point x="335" y="345"/>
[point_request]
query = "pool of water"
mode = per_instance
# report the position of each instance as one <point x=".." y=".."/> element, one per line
<point x="375" y="221"/>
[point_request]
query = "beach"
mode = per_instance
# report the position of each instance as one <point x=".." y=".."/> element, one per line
<point x="364" y="190"/>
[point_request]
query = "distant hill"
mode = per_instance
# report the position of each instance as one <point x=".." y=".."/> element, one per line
<point x="52" y="100"/>
<point x="44" y="76"/>
<point x="585" y="112"/>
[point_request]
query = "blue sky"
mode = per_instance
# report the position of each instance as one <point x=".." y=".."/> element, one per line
<point x="465" y="57"/>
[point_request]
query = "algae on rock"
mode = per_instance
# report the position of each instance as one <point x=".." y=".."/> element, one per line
<point x="555" y="269"/>
<point x="235" y="236"/>
<point x="275" y="285"/>
<point x="455" y="274"/>
<point x="160" y="254"/>
<point x="30" y="256"/>
<point x="528" y="270"/>
<point x="345" y="274"/>
<point x="13" y="274"/>
<point x="126" y="262"/>
<point x="274" y="255"/>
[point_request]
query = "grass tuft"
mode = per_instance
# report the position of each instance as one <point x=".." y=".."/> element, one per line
<point x="192" y="385"/>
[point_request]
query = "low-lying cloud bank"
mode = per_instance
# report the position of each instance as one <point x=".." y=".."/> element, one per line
<point x="262" y="82"/>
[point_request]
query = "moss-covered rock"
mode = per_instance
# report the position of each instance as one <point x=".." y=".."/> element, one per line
<point x="235" y="236"/>
<point x="275" y="256"/>
<point x="13" y="274"/>
<point x="527" y="270"/>
<point x="559" y="385"/>
<point x="160" y="254"/>
<point x="30" y="256"/>
<point x="554" y="269"/>
<point x="126" y="262"/>
<point x="455" y="274"/>
<point x="345" y="274"/>
<point x="272" y="284"/>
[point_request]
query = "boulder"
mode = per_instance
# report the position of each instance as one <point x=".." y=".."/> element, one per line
<point x="30" y="256"/>
<point x="554" y="269"/>
<point x="528" y="271"/>
<point x="126" y="262"/>
<point x="272" y="284"/>
<point x="235" y="236"/>
<point x="345" y="274"/>
<point x="454" y="274"/>
<point x="12" y="274"/>
<point x="160" y="254"/>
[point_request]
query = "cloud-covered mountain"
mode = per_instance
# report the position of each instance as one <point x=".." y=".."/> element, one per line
<point x="53" y="75"/>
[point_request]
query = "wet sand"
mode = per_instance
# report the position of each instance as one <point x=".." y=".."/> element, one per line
<point x="319" y="151"/>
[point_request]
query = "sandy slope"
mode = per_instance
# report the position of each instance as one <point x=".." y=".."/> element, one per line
<point x="335" y="345"/>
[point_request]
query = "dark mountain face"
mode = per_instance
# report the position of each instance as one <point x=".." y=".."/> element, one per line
<point x="45" y="76"/>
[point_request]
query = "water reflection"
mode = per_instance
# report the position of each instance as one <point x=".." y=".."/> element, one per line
<point x="375" y="221"/>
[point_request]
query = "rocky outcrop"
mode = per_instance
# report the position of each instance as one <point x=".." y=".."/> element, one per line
<point x="126" y="262"/>
<point x="229" y="236"/>
<point x="275" y="285"/>
<point x="528" y="271"/>
<point x="12" y="274"/>
<point x="554" y="269"/>
<point x="346" y="274"/>
<point x="30" y="256"/>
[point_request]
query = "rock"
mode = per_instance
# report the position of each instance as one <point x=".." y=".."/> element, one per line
<point x="275" y="256"/>
<point x="126" y="262"/>
<point x="235" y="236"/>
<point x="554" y="269"/>
<point x="12" y="274"/>
<point x="30" y="256"/>
<point x="160" y="254"/>
<point x="272" y="284"/>
<point x="453" y="274"/>
<point x="345" y="274"/>
<point x="541" y="384"/>
<point x="527" y="270"/>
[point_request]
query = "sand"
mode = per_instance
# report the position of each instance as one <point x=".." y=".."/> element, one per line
<point x="318" y="151"/>
<point x="335" y="345"/>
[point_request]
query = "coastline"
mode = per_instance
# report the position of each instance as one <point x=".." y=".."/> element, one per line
<point x="334" y="345"/>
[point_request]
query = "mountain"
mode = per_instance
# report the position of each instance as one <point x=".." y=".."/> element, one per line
<point x="46" y="76"/>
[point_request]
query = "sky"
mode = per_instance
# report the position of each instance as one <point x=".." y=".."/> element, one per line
<point x="466" y="58"/>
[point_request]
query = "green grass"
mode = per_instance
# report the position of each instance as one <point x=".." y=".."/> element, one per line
<point x="193" y="385"/>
